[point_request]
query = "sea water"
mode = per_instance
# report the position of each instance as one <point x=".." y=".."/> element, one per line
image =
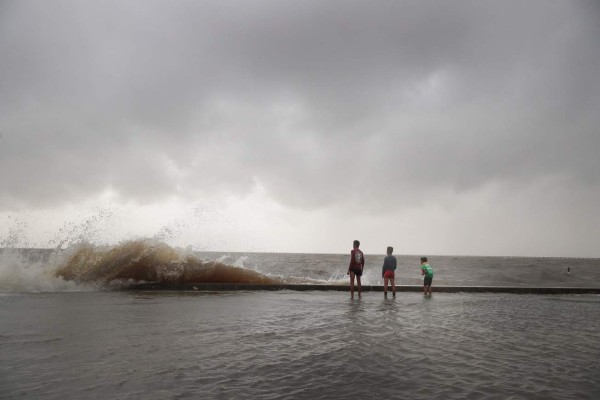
<point x="298" y="345"/>
<point x="87" y="266"/>
<point x="68" y="331"/>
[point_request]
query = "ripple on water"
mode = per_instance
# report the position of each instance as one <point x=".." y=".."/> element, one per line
<point x="303" y="345"/>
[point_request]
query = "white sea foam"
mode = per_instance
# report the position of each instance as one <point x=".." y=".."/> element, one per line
<point x="240" y="262"/>
<point x="228" y="260"/>
<point x="19" y="274"/>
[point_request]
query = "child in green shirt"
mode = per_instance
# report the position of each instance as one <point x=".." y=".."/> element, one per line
<point x="428" y="272"/>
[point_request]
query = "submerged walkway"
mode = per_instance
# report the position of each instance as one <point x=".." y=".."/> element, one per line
<point x="365" y="288"/>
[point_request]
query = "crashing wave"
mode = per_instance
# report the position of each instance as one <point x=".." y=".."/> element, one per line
<point x="148" y="261"/>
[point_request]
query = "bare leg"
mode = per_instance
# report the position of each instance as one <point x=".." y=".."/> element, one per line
<point x="393" y="286"/>
<point x="359" y="286"/>
<point x="385" y="283"/>
<point x="351" y="284"/>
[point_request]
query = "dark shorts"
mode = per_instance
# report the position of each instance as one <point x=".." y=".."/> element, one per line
<point x="427" y="281"/>
<point x="357" y="272"/>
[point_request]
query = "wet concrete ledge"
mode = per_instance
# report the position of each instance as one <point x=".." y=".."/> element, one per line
<point x="365" y="288"/>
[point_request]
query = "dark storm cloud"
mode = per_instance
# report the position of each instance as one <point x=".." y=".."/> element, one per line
<point x="320" y="102"/>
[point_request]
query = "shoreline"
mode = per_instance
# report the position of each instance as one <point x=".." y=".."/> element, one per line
<point x="203" y="287"/>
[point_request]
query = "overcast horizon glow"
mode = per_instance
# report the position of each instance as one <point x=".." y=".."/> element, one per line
<point x="438" y="128"/>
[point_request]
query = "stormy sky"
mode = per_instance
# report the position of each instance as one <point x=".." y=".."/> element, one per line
<point x="464" y="127"/>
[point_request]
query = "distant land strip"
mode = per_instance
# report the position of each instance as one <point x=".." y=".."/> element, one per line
<point x="365" y="288"/>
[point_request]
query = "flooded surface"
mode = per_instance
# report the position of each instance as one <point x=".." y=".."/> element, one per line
<point x="301" y="345"/>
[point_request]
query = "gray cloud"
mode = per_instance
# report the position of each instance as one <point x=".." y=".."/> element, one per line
<point x="321" y="102"/>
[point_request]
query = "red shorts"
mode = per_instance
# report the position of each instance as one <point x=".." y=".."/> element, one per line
<point x="389" y="274"/>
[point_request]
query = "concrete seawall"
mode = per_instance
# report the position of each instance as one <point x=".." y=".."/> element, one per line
<point x="366" y="288"/>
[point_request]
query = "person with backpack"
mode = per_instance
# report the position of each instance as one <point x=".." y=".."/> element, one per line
<point x="355" y="269"/>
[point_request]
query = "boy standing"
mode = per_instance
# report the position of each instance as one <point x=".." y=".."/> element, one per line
<point x="428" y="272"/>
<point x="357" y="263"/>
<point x="388" y="271"/>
